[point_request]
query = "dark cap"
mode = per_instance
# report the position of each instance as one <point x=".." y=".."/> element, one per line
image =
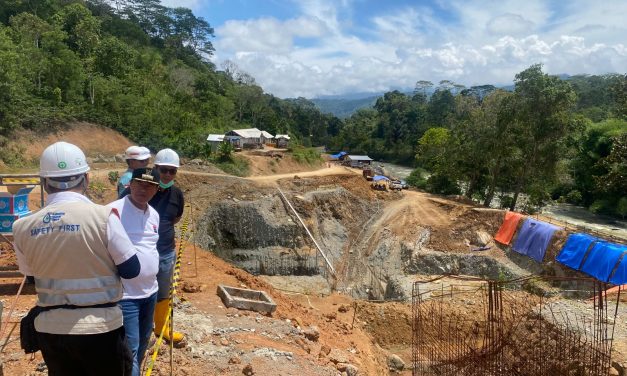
<point x="149" y="175"/>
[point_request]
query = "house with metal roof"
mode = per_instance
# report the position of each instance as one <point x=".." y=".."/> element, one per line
<point x="266" y="136"/>
<point x="214" y="141"/>
<point x="281" y="140"/>
<point x="357" y="160"/>
<point x="249" y="138"/>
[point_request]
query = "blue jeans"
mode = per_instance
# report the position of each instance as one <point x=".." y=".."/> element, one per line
<point x="164" y="275"/>
<point x="138" y="315"/>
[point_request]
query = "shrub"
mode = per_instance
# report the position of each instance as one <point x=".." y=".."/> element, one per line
<point x="306" y="155"/>
<point x="418" y="178"/>
<point x="113" y="176"/>
<point x="574" y="197"/>
<point x="442" y="184"/>
<point x="600" y="206"/>
<point x="506" y="201"/>
<point x="235" y="165"/>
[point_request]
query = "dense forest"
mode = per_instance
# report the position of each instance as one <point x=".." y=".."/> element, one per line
<point x="548" y="138"/>
<point x="135" y="66"/>
<point x="145" y="70"/>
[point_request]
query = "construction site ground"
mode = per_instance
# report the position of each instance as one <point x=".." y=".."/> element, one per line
<point x="315" y="330"/>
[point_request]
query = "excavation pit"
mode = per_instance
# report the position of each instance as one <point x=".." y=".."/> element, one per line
<point x="251" y="300"/>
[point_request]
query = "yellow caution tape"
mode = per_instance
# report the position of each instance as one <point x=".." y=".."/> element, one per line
<point x="175" y="280"/>
<point x="25" y="181"/>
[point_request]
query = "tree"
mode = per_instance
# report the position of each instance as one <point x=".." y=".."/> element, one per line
<point x="420" y="90"/>
<point x="432" y="149"/>
<point x="619" y="94"/>
<point x="11" y="84"/>
<point x="542" y="110"/>
<point x="441" y="106"/>
<point x="225" y="150"/>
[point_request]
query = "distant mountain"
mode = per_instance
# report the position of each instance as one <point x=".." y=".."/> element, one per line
<point x="344" y="106"/>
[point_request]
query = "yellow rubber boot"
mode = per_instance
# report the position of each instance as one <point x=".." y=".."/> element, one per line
<point x="161" y="314"/>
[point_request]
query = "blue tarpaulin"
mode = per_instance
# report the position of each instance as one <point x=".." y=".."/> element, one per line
<point x="620" y="277"/>
<point x="533" y="238"/>
<point x="338" y="155"/>
<point x="602" y="260"/>
<point x="379" y="177"/>
<point x="575" y="249"/>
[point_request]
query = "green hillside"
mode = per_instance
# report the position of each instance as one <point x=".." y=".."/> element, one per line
<point x="137" y="67"/>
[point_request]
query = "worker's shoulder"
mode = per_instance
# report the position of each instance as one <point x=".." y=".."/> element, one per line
<point x="177" y="190"/>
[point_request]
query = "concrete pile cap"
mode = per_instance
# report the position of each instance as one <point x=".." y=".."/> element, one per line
<point x="252" y="300"/>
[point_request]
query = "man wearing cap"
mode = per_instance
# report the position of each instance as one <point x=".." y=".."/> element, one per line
<point x="77" y="251"/>
<point x="169" y="203"/>
<point x="136" y="157"/>
<point x="141" y="223"/>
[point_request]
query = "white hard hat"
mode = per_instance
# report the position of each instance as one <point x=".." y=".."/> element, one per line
<point x="167" y="157"/>
<point x="139" y="153"/>
<point x="62" y="159"/>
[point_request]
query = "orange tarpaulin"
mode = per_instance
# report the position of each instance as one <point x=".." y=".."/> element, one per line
<point x="508" y="228"/>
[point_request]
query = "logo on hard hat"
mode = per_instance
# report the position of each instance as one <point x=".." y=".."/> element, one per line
<point x="62" y="164"/>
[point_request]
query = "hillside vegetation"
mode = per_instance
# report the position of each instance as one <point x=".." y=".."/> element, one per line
<point x="137" y="67"/>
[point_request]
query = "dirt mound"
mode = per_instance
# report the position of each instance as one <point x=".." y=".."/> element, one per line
<point x="91" y="138"/>
<point x="389" y="324"/>
<point x="276" y="163"/>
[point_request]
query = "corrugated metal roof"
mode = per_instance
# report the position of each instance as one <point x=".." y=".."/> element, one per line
<point x="248" y="132"/>
<point x="282" y="136"/>
<point x="359" y="158"/>
<point x="215" y="137"/>
<point x="266" y="134"/>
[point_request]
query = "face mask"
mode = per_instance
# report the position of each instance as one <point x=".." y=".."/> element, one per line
<point x="166" y="186"/>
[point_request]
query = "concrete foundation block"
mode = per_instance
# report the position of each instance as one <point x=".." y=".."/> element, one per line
<point x="252" y="300"/>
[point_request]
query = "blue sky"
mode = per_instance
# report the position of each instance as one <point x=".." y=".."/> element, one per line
<point x="312" y="48"/>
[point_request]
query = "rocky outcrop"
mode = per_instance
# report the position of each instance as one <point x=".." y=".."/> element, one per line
<point x="248" y="225"/>
<point x="433" y="263"/>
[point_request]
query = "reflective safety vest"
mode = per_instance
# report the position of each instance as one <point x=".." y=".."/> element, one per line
<point x="65" y="246"/>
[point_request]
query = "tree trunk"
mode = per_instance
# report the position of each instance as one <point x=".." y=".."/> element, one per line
<point x="92" y="91"/>
<point x="516" y="193"/>
<point x="490" y="196"/>
<point x="492" y="187"/>
<point x="471" y="188"/>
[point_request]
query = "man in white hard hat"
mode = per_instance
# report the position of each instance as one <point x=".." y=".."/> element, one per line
<point x="136" y="157"/>
<point x="77" y="251"/>
<point x="169" y="203"/>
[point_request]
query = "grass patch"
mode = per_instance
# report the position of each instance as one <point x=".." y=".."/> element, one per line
<point x="233" y="165"/>
<point x="306" y="155"/>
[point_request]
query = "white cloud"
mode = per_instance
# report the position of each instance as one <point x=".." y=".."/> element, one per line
<point x="483" y="44"/>
<point x="510" y="24"/>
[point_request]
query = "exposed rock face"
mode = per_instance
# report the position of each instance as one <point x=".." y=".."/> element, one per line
<point x="431" y="263"/>
<point x="242" y="230"/>
<point x="249" y="225"/>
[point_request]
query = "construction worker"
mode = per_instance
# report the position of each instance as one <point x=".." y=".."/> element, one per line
<point x="136" y="157"/>
<point x="141" y="223"/>
<point x="169" y="203"/>
<point x="77" y="251"/>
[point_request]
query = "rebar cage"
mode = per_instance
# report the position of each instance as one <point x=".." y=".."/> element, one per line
<point x="531" y="326"/>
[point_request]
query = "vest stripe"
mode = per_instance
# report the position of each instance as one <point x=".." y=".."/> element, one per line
<point x="79" y="299"/>
<point x="76" y="283"/>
